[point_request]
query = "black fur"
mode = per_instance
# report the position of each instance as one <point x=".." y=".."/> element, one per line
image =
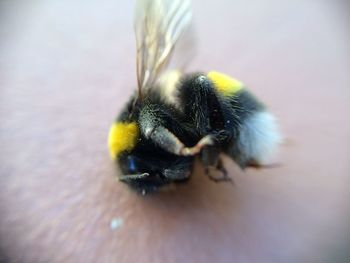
<point x="204" y="112"/>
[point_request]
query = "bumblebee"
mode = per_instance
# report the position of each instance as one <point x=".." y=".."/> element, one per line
<point x="174" y="118"/>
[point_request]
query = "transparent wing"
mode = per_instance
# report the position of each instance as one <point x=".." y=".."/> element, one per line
<point x="158" y="26"/>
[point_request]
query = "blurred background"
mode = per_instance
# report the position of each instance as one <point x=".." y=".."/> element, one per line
<point x="68" y="67"/>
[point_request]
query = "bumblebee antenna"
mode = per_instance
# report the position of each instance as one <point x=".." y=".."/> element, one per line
<point x="129" y="177"/>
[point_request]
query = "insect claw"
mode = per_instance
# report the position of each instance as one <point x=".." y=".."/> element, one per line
<point x="219" y="168"/>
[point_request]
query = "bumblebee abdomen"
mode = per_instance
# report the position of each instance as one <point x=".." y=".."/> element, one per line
<point x="254" y="132"/>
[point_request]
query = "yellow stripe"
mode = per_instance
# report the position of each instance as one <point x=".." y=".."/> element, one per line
<point x="225" y="84"/>
<point x="122" y="137"/>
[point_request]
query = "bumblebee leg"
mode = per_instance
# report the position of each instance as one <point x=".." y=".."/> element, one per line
<point x="169" y="142"/>
<point x="203" y="108"/>
<point x="152" y="121"/>
<point x="210" y="155"/>
<point x="190" y="151"/>
<point x="221" y="168"/>
<point x="257" y="165"/>
<point x="179" y="171"/>
<point x="152" y="126"/>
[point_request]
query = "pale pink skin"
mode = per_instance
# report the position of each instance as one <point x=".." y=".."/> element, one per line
<point x="64" y="72"/>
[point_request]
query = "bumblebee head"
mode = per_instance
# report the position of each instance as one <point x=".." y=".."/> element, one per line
<point x="147" y="173"/>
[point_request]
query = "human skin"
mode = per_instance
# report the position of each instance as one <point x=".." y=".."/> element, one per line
<point x="66" y="69"/>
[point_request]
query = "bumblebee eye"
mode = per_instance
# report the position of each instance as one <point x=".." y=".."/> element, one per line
<point x="131" y="164"/>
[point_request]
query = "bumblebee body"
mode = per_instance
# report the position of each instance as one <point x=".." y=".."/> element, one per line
<point x="172" y="120"/>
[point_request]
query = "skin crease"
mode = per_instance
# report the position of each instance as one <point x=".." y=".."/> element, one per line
<point x="65" y="72"/>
